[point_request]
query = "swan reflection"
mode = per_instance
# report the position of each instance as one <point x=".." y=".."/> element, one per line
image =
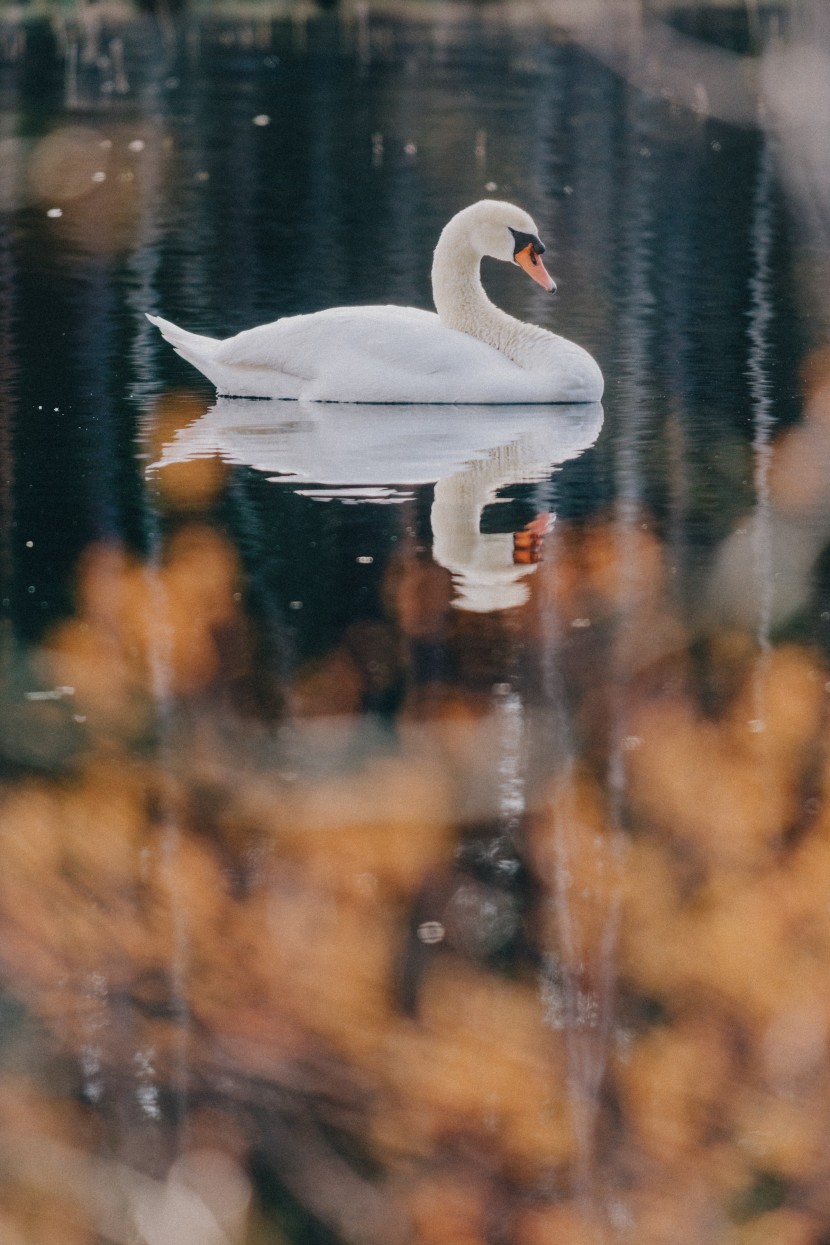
<point x="379" y="453"/>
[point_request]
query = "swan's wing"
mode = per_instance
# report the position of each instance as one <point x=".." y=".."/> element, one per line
<point x="400" y="337"/>
<point x="373" y="354"/>
<point x="278" y="346"/>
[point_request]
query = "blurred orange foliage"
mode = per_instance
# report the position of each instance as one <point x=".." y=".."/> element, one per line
<point x="651" y="1063"/>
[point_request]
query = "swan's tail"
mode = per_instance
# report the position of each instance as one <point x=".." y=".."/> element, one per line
<point x="187" y="344"/>
<point x="196" y="350"/>
<point x="201" y="353"/>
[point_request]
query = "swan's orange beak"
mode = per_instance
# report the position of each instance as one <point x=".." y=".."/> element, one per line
<point x="531" y="261"/>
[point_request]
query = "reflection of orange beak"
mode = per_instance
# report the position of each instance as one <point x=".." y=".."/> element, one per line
<point x="533" y="266"/>
<point x="527" y="544"/>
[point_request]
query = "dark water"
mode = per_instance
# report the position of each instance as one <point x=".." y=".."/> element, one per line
<point x="413" y="819"/>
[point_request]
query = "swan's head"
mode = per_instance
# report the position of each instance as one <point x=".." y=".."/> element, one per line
<point x="504" y="232"/>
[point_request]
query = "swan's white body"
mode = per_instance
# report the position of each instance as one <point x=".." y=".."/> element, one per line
<point x="470" y="352"/>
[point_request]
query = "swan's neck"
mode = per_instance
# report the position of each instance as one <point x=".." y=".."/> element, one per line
<point x="462" y="303"/>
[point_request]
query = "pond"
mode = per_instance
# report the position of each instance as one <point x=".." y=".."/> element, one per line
<point x="412" y="817"/>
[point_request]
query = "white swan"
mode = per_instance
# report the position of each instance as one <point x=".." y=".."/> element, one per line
<point x="470" y="352"/>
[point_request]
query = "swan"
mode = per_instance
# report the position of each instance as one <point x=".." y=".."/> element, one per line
<point x="469" y="352"/>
